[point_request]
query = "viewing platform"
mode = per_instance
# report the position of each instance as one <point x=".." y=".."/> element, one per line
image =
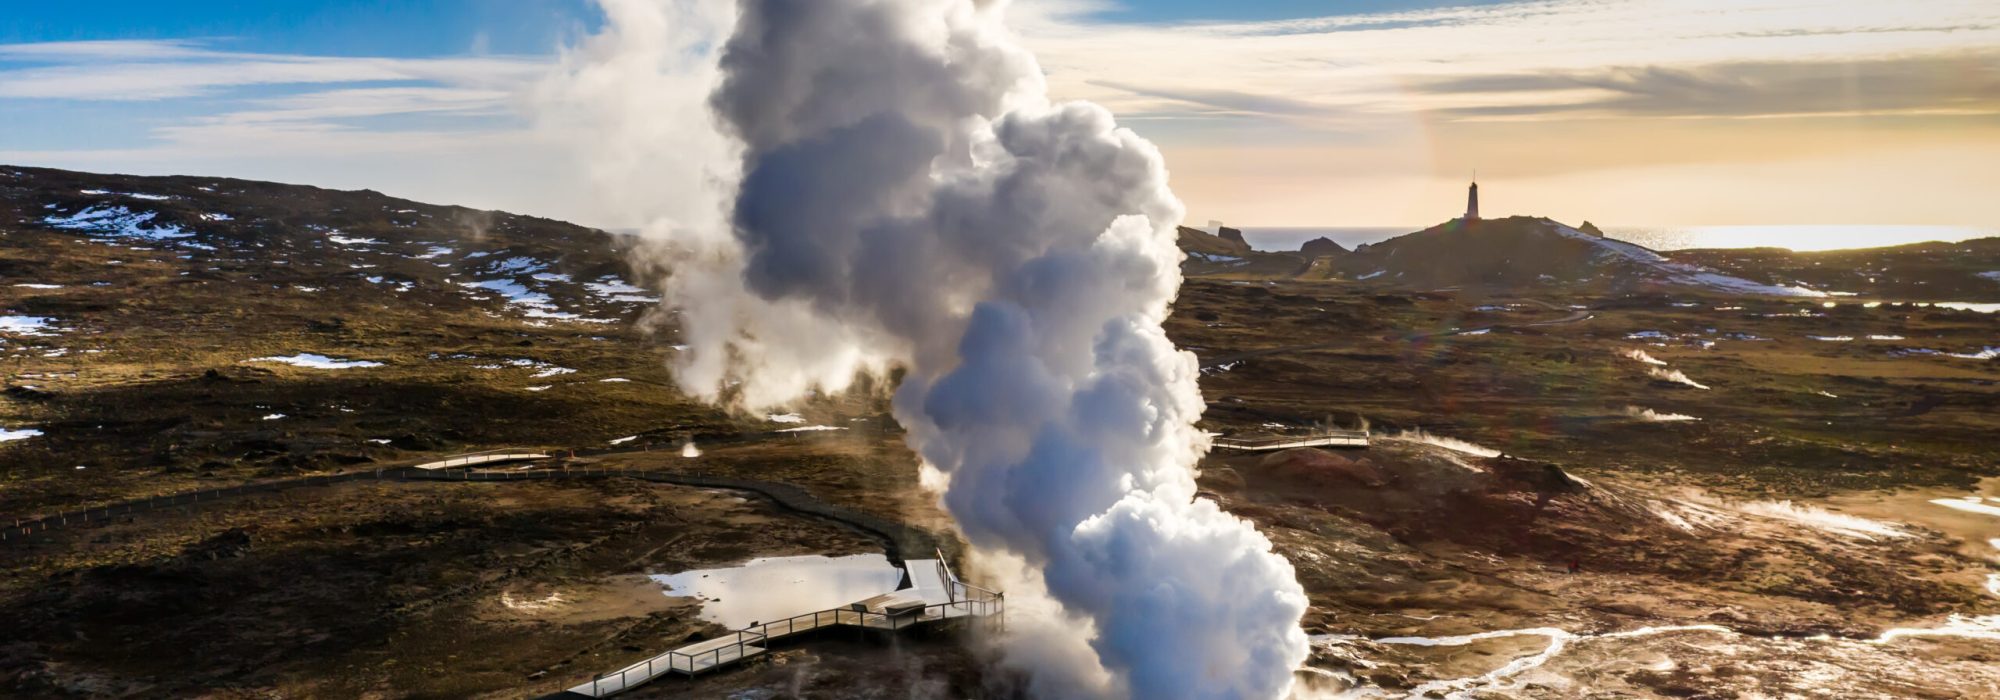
<point x="1325" y="438"/>
<point x="933" y="596"/>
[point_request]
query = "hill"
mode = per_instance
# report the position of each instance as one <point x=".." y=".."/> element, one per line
<point x="1522" y="251"/>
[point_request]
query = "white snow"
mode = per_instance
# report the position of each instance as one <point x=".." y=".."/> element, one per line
<point x="435" y="251"/>
<point x="810" y="428"/>
<point x="217" y="216"/>
<point x="1986" y="353"/>
<point x="1682" y="273"/>
<point x="117" y="222"/>
<point x="516" y="265"/>
<point x="1372" y="275"/>
<point x="515" y="292"/>
<point x="623" y="440"/>
<point x="785" y="418"/>
<point x="543" y="387"/>
<point x="618" y="290"/>
<point x="1832" y="338"/>
<point x="32" y="285"/>
<point x="134" y="195"/>
<point x="275" y="416"/>
<point x="1482" y="331"/>
<point x="551" y="277"/>
<point x="1994" y="275"/>
<point x="350" y="240"/>
<point x="7" y="435"/>
<point x="553" y="372"/>
<point x="25" y="325"/>
<point x="1224" y="367"/>
<point x="613" y="380"/>
<point x="315" y="361"/>
<point x="1885" y="337"/>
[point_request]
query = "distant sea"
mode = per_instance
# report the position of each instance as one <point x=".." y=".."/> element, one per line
<point x="1663" y="237"/>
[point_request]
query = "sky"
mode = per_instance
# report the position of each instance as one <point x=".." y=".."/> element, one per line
<point x="1270" y="112"/>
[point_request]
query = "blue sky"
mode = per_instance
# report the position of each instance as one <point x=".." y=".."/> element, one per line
<point x="402" y="28"/>
<point x="1271" y="112"/>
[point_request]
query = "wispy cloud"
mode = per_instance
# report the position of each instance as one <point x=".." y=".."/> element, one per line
<point x="1674" y="58"/>
<point x="159" y="70"/>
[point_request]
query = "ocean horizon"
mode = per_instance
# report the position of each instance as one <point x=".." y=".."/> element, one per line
<point x="1803" y="237"/>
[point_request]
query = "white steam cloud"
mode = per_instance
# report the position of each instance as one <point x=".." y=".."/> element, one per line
<point x="1446" y="442"/>
<point x="904" y="196"/>
<point x="1641" y="356"/>
<point x="1652" y="416"/>
<point x="1673" y="375"/>
<point x="1822" y="519"/>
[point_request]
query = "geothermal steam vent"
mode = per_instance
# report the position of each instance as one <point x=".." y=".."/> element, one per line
<point x="907" y="196"/>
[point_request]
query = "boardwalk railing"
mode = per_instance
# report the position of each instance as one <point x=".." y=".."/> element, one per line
<point x="1325" y="438"/>
<point x="967" y="601"/>
<point x="487" y="457"/>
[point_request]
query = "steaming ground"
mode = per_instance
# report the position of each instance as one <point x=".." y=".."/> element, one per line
<point x="1825" y="491"/>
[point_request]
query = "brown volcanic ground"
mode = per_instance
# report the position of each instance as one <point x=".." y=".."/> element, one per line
<point x="146" y="378"/>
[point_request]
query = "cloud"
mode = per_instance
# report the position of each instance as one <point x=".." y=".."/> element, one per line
<point x="1678" y="58"/>
<point x="1966" y="83"/>
<point x="158" y="70"/>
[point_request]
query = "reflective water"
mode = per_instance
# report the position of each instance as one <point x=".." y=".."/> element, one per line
<point x="774" y="588"/>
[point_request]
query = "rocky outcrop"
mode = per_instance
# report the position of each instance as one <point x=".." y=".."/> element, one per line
<point x="1232" y="235"/>
<point x="1322" y="247"/>
<point x="1197" y="241"/>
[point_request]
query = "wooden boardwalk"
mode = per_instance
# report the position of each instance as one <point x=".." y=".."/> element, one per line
<point x="1330" y="438"/>
<point x="934" y="596"/>
<point x="482" y="458"/>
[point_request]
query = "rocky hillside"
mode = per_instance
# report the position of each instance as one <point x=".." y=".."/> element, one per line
<point x="216" y="328"/>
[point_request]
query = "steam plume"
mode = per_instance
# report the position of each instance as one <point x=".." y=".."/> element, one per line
<point x="1674" y="376"/>
<point x="1640" y="356"/>
<point x="909" y="198"/>
<point x="1652" y="416"/>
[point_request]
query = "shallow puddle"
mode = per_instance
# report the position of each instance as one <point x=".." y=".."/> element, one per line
<point x="774" y="588"/>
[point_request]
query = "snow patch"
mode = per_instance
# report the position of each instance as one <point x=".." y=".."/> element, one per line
<point x="7" y="435"/>
<point x="350" y="240"/>
<point x="25" y="325"/>
<point x="314" y="361"/>
<point x="785" y="418"/>
<point x="117" y="222"/>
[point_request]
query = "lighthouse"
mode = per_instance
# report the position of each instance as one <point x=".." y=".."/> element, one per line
<point x="1472" y="203"/>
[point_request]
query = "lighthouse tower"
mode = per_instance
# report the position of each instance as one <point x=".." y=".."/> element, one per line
<point x="1472" y="203"/>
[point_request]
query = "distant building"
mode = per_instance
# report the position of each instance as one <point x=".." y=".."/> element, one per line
<point x="1472" y="203"/>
